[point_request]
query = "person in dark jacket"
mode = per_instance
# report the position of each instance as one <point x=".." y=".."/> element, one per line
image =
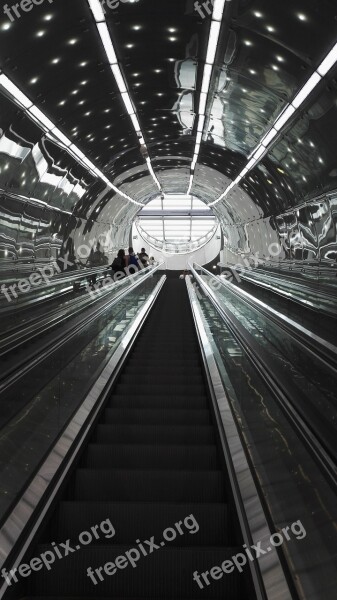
<point x="118" y="266"/>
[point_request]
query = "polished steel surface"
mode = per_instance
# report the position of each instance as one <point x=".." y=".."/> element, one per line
<point x="291" y="478"/>
<point x="275" y="586"/>
<point x="76" y="430"/>
<point x="266" y="53"/>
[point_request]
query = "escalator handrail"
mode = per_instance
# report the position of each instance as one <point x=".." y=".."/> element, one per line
<point x="320" y="348"/>
<point x="19" y="529"/>
<point x="64" y="336"/>
<point x="10" y="341"/>
<point x="265" y="574"/>
<point x="247" y="342"/>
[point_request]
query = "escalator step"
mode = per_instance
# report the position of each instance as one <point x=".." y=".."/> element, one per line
<point x="147" y="486"/>
<point x="188" y="389"/>
<point x="175" y="401"/>
<point x="164" y="376"/>
<point x="156" y="416"/>
<point x="158" y="434"/>
<point x="165" y="573"/>
<point x="134" y="520"/>
<point x="135" y="456"/>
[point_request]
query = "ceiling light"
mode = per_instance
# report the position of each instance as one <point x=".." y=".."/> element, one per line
<point x="135" y="122"/>
<point x="206" y="78"/>
<point x="284" y="117"/>
<point x="269" y="137"/>
<point x="15" y="92"/>
<point x="119" y="78"/>
<point x="328" y="62"/>
<point x="201" y="123"/>
<point x="128" y="103"/>
<point x="218" y="9"/>
<point x="306" y="90"/>
<point x="57" y="133"/>
<point x="97" y="10"/>
<point x="41" y="118"/>
<point x="107" y="43"/>
<point x="213" y="42"/>
<point x="202" y="103"/>
<point x="259" y="152"/>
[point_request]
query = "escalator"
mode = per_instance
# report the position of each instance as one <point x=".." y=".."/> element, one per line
<point x="151" y="479"/>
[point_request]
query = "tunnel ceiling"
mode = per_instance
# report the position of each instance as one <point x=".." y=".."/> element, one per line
<point x="267" y="50"/>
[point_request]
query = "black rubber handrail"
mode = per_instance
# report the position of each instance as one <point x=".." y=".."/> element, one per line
<point x="284" y="397"/>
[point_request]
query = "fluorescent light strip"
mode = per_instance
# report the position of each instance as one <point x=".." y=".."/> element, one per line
<point x="306" y="90"/>
<point x="218" y="9"/>
<point x="119" y="78"/>
<point x="99" y="16"/>
<point x="107" y="43"/>
<point x="328" y="62"/>
<point x="97" y="10"/>
<point x="149" y="165"/>
<point x="41" y="118"/>
<point x="14" y="91"/>
<point x="190" y="185"/>
<point x="206" y="78"/>
<point x="325" y="66"/>
<point x="128" y="104"/>
<point x="52" y="131"/>
<point x="213" y="41"/>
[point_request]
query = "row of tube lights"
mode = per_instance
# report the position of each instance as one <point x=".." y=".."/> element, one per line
<point x="284" y="117"/>
<point x="213" y="40"/>
<point x="98" y="13"/>
<point x="54" y="133"/>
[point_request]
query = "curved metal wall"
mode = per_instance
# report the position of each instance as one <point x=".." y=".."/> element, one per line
<point x="49" y="204"/>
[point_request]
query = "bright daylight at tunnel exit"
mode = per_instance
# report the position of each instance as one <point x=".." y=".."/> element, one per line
<point x="168" y="300"/>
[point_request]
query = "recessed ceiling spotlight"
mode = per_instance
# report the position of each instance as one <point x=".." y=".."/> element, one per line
<point x="172" y="29"/>
<point x="40" y="33"/>
<point x="302" y="17"/>
<point x="129" y="45"/>
<point x="72" y="42"/>
<point x="172" y="39"/>
<point x="62" y="103"/>
<point x="48" y="17"/>
<point x="280" y="58"/>
<point x="83" y="64"/>
<point x="136" y="27"/>
<point x="34" y="80"/>
<point x="55" y="61"/>
<point x="6" y="26"/>
<point x="247" y="43"/>
<point x="258" y="14"/>
<point x="270" y="29"/>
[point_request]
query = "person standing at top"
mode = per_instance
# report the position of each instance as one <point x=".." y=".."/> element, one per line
<point x="143" y="257"/>
<point x="132" y="261"/>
